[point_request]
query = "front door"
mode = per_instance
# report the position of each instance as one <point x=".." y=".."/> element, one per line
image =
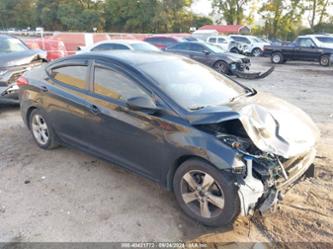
<point x="133" y="139"/>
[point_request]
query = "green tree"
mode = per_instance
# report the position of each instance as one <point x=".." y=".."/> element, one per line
<point x="282" y="18"/>
<point x="231" y="11"/>
<point x="199" y="21"/>
<point x="318" y="11"/>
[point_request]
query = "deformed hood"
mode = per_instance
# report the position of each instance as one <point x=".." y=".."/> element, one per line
<point x="278" y="127"/>
<point x="21" y="58"/>
<point x="273" y="125"/>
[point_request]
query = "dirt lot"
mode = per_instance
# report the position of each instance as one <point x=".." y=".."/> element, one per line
<point x="65" y="195"/>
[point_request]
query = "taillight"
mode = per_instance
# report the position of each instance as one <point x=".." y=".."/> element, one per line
<point x="22" y="81"/>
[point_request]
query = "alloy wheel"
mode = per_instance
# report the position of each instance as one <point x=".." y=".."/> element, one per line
<point x="276" y="58"/>
<point x="221" y="67"/>
<point x="324" y="60"/>
<point x="256" y="52"/>
<point x="202" y="194"/>
<point x="40" y="129"/>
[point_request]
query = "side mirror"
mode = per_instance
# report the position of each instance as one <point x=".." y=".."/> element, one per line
<point x="206" y="52"/>
<point x="142" y="103"/>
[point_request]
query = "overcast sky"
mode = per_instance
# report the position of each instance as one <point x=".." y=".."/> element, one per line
<point x="202" y="7"/>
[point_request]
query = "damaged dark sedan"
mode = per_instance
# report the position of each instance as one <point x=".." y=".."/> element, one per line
<point x="222" y="148"/>
<point x="215" y="57"/>
<point x="15" y="59"/>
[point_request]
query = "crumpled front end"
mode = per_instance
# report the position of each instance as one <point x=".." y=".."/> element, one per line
<point x="275" y="141"/>
<point x="284" y="138"/>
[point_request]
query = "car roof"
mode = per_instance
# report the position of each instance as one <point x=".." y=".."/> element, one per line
<point x="133" y="58"/>
<point x="123" y="41"/>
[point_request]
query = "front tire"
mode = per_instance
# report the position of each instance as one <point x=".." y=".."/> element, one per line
<point x="206" y="194"/>
<point x="324" y="60"/>
<point x="277" y="58"/>
<point x="41" y="130"/>
<point x="221" y="67"/>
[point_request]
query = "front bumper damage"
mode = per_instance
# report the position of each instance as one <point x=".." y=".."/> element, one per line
<point x="9" y="76"/>
<point x="254" y="194"/>
<point x="254" y="75"/>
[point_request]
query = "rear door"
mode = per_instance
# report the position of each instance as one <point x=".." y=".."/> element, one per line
<point x="131" y="138"/>
<point x="66" y="100"/>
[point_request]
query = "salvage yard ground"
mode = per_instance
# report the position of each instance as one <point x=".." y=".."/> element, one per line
<point x="66" y="195"/>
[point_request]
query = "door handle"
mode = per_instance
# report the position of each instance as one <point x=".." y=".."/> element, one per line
<point x="44" y="88"/>
<point x="94" y="109"/>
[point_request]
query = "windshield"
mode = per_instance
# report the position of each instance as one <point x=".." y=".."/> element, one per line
<point x="9" y="45"/>
<point x="144" y="47"/>
<point x="192" y="85"/>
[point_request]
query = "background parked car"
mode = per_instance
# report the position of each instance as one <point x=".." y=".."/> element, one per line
<point x="213" y="56"/>
<point x="55" y="49"/>
<point x="227" y="44"/>
<point x="255" y="46"/>
<point x="163" y="42"/>
<point x="15" y="58"/>
<point x="204" y="34"/>
<point x="304" y="48"/>
<point x="73" y="41"/>
<point x="133" y="45"/>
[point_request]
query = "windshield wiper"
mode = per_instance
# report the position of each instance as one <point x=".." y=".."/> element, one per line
<point x="247" y="93"/>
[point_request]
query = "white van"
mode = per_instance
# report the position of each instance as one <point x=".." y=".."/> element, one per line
<point x="204" y="34"/>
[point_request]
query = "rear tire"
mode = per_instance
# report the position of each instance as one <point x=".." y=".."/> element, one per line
<point x="277" y="58"/>
<point x="41" y="130"/>
<point x="206" y="194"/>
<point x="324" y="60"/>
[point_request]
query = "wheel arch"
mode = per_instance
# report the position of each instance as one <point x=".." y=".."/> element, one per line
<point x="179" y="161"/>
<point x="28" y="114"/>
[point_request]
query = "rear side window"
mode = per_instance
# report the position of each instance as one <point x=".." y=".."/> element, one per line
<point x="325" y="39"/>
<point x="182" y="46"/>
<point x="241" y="39"/>
<point x="212" y="39"/>
<point x="221" y="40"/>
<point x="74" y="76"/>
<point x="197" y="48"/>
<point x="115" y="85"/>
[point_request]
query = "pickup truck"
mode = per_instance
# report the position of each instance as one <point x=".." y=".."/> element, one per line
<point x="304" y="48"/>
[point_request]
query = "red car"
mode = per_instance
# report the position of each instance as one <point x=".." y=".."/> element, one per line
<point x="163" y="41"/>
<point x="55" y="49"/>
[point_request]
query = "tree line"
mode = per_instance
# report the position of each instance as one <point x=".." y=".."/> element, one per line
<point x="279" y="18"/>
<point x="105" y="15"/>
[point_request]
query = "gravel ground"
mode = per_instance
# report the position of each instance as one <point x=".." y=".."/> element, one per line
<point x="66" y="195"/>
